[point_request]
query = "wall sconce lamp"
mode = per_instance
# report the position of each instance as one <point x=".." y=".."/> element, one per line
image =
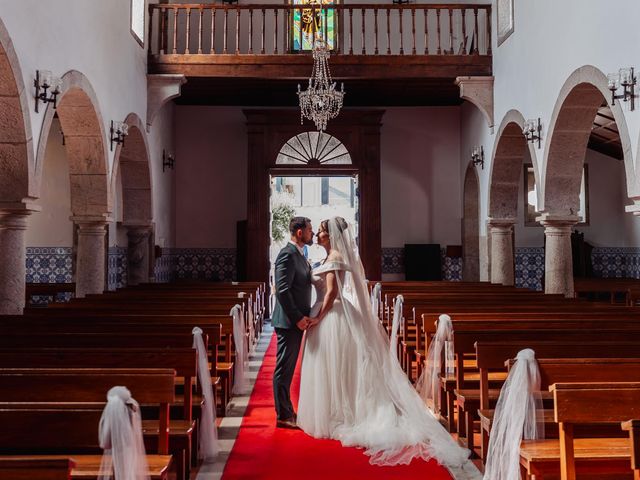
<point x="168" y="161"/>
<point x="532" y="131"/>
<point x="43" y="82"/>
<point x="118" y="131"/>
<point x="626" y="79"/>
<point x="477" y="156"/>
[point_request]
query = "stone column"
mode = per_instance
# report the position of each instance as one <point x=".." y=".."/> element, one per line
<point x="138" y="254"/>
<point x="90" y="256"/>
<point x="502" y="271"/>
<point x="13" y="224"/>
<point x="558" y="261"/>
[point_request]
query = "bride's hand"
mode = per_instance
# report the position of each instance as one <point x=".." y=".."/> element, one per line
<point x="313" y="322"/>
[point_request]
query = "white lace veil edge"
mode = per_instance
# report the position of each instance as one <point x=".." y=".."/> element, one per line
<point x="120" y="436"/>
<point x="429" y="438"/>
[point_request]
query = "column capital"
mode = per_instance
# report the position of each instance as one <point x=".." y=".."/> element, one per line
<point x="559" y="222"/>
<point x="500" y="224"/>
<point x="90" y="225"/>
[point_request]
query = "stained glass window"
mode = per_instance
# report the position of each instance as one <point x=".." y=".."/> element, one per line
<point x="307" y="21"/>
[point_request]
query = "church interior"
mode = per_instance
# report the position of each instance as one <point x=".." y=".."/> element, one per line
<point x="152" y="153"/>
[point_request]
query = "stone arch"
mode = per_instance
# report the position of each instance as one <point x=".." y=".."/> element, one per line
<point x="86" y="146"/>
<point x="509" y="151"/>
<point x="16" y="177"/>
<point x="86" y="149"/>
<point x="16" y="143"/>
<point x="132" y="162"/>
<point x="471" y="226"/>
<point x="132" y="169"/>
<point x="569" y="130"/>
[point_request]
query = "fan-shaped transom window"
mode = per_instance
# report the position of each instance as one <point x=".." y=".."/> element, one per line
<point x="313" y="148"/>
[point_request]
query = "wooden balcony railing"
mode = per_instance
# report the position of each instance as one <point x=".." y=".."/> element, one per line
<point x="359" y="29"/>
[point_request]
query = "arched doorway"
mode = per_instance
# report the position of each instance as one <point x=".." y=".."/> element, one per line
<point x="471" y="227"/>
<point x="17" y="192"/>
<point x="268" y="131"/>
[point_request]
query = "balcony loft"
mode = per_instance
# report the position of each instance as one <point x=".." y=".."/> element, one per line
<point x="407" y="54"/>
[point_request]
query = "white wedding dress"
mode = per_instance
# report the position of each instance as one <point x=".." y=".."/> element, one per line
<point x="352" y="388"/>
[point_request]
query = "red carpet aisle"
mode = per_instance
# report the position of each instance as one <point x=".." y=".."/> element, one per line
<point x="263" y="452"/>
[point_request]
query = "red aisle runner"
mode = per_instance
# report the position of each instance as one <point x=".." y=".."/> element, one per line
<point x="262" y="451"/>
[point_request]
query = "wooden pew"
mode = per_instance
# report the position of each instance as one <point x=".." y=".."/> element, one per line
<point x="493" y="356"/>
<point x="215" y="326"/>
<point x="148" y="386"/>
<point x="633" y="427"/>
<point x="36" y="468"/>
<point x="466" y="334"/>
<point x="574" y="404"/>
<point x="66" y="430"/>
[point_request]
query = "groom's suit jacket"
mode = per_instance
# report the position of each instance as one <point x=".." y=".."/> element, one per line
<point x="293" y="288"/>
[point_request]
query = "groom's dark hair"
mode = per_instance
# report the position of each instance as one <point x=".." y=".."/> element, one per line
<point x="298" y="223"/>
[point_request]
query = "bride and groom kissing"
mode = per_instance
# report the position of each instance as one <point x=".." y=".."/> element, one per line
<point x="352" y="388"/>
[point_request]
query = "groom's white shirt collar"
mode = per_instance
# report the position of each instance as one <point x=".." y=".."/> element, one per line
<point x="297" y="246"/>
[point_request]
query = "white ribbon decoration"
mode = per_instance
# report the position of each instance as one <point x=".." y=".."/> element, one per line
<point x="429" y="382"/>
<point x="395" y="326"/>
<point x="120" y="435"/>
<point x="518" y="415"/>
<point x="208" y="437"/>
<point x="375" y="299"/>
<point x="240" y="338"/>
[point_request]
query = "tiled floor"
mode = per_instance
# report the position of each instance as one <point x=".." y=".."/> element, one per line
<point x="230" y="425"/>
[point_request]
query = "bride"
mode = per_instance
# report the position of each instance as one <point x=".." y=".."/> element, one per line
<point x="352" y="388"/>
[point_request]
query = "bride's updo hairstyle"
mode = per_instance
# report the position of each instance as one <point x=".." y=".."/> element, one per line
<point x="340" y="222"/>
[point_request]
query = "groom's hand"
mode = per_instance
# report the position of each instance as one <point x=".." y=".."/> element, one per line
<point x="303" y="323"/>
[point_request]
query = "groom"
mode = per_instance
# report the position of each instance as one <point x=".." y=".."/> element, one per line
<point x="290" y="316"/>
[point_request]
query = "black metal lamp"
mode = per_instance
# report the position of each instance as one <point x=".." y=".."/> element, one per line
<point x="47" y="88"/>
<point x="626" y="79"/>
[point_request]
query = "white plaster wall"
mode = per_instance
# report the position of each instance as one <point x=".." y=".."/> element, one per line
<point x="51" y="227"/>
<point x="93" y="38"/>
<point x="161" y="138"/>
<point x="210" y="175"/>
<point x="551" y="40"/>
<point x="421" y="189"/>
<point x="421" y="196"/>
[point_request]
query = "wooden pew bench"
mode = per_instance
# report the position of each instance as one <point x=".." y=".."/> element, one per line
<point x="633" y="427"/>
<point x="36" y="468"/>
<point x="70" y="430"/>
<point x="153" y="387"/>
<point x="574" y="404"/>
<point x="495" y="357"/>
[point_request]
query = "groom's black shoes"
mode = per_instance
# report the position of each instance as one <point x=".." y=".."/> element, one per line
<point x="288" y="423"/>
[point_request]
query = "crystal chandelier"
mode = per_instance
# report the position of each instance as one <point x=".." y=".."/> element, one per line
<point x="320" y="101"/>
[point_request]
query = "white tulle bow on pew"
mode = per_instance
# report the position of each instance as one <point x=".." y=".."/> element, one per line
<point x="120" y="435"/>
<point x="375" y="299"/>
<point x="395" y="325"/>
<point x="429" y="382"/>
<point x="518" y="415"/>
<point x="240" y="339"/>
<point x="208" y="435"/>
<point x="250" y="325"/>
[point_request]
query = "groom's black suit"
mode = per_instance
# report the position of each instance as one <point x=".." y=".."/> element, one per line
<point x="293" y="301"/>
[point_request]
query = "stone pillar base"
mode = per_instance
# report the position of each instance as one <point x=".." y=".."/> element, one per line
<point x="90" y="260"/>
<point x="558" y="261"/>
<point x="502" y="266"/>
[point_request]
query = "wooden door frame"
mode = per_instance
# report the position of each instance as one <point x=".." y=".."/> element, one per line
<point x="268" y="130"/>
